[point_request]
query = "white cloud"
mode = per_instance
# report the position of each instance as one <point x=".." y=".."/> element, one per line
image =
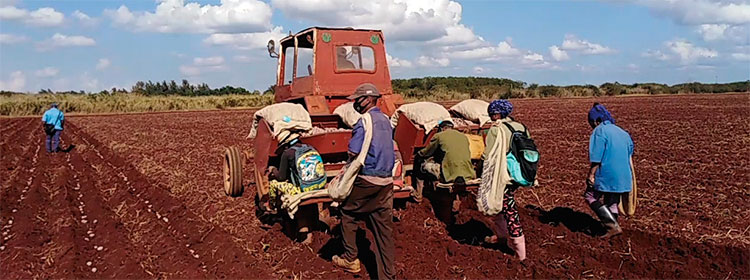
<point x="203" y="65"/>
<point x="44" y="17"/>
<point x="102" y="64"/>
<point x="16" y="82"/>
<point x="401" y="20"/>
<point x="89" y="83"/>
<point x="4" y="3"/>
<point x="84" y="18"/>
<point x="714" y="32"/>
<point x="121" y="16"/>
<point x="633" y="67"/>
<point x="695" y="12"/>
<point x="7" y="39"/>
<point x="533" y="57"/>
<point x="47" y="72"/>
<point x="190" y="71"/>
<point x="193" y="70"/>
<point x="657" y="54"/>
<point x="243" y="58"/>
<point x="689" y="53"/>
<point x="741" y="56"/>
<point x="245" y="41"/>
<point x="433" y="27"/>
<point x="59" y="40"/>
<point x="682" y="52"/>
<point x="395" y="62"/>
<point x="713" y="19"/>
<point x="571" y="43"/>
<point x="208" y="61"/>
<point x="558" y="54"/>
<point x="503" y="50"/>
<point x="586" y="68"/>
<point x="478" y="70"/>
<point x="12" y="13"/>
<point x="176" y="16"/>
<point x="427" y="61"/>
<point x="535" y="60"/>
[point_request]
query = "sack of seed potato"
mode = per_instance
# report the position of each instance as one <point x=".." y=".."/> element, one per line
<point x="281" y="116"/>
<point x="426" y="114"/>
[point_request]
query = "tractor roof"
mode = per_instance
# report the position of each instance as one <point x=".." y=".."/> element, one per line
<point x="328" y="28"/>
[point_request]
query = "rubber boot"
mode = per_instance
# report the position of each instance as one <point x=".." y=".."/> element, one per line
<point x="608" y="219"/>
<point x="499" y="227"/>
<point x="518" y="244"/>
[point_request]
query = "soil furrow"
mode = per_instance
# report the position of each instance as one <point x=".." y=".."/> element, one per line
<point x="106" y="254"/>
<point x="149" y="188"/>
<point x="218" y="255"/>
<point x="162" y="255"/>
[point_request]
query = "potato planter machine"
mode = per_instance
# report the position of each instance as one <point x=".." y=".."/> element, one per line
<point x="312" y="72"/>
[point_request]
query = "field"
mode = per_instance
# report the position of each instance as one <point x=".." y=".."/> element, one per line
<point x="140" y="196"/>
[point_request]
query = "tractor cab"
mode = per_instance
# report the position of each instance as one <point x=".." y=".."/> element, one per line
<point x="319" y="67"/>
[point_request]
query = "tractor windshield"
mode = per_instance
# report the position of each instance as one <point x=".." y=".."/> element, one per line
<point x="355" y="58"/>
<point x="305" y="60"/>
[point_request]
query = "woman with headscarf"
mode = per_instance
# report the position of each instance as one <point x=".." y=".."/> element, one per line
<point x="610" y="172"/>
<point x="506" y="223"/>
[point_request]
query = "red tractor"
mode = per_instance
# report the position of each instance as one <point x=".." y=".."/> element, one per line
<point x="318" y="68"/>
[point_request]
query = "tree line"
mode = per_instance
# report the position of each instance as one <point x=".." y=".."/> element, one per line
<point x="480" y="87"/>
<point x="441" y="88"/>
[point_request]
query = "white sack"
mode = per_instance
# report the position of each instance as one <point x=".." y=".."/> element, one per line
<point x="347" y="113"/>
<point x="474" y="110"/>
<point x="281" y="116"/>
<point x="341" y="186"/>
<point x="426" y="114"/>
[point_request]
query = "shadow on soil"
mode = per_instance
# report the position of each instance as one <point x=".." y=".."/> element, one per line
<point x="69" y="148"/>
<point x="461" y="226"/>
<point x="335" y="247"/>
<point x="573" y="220"/>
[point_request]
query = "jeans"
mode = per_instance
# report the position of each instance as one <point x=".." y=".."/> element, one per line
<point x="53" y="141"/>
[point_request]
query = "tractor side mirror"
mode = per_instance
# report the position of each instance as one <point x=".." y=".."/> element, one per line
<point x="272" y="49"/>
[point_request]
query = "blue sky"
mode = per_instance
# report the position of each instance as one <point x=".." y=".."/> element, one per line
<point x="95" y="45"/>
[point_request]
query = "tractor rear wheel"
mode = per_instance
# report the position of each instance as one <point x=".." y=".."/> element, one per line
<point x="233" y="161"/>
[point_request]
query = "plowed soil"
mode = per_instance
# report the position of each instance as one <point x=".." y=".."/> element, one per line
<point x="140" y="196"/>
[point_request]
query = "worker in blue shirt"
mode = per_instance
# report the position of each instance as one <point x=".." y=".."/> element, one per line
<point x="53" y="122"/>
<point x="610" y="173"/>
<point x="371" y="197"/>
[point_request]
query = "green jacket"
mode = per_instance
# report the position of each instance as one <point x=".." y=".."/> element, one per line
<point x="451" y="149"/>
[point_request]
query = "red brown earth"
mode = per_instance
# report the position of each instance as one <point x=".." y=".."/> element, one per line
<point x="140" y="196"/>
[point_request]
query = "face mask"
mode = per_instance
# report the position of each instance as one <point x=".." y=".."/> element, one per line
<point x="360" y="105"/>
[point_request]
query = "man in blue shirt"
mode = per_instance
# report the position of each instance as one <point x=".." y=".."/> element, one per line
<point x="53" y="121"/>
<point x="610" y="173"/>
<point x="371" y="198"/>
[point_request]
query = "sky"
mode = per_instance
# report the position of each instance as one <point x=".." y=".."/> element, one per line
<point x="95" y="45"/>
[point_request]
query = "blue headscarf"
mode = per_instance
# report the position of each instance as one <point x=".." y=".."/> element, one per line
<point x="500" y="106"/>
<point x="599" y="113"/>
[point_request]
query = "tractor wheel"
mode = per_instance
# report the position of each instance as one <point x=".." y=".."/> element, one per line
<point x="233" y="161"/>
